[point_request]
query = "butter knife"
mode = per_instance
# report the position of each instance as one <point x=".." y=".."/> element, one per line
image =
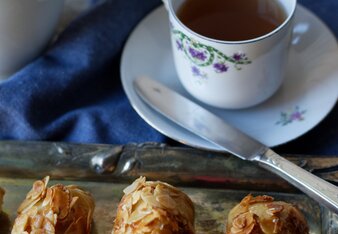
<point x="205" y="124"/>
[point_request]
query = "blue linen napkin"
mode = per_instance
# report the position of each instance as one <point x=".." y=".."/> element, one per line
<point x="73" y="92"/>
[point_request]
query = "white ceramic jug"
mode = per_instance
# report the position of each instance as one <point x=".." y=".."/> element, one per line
<point x="26" y="27"/>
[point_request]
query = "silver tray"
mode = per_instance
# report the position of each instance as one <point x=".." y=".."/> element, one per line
<point x="214" y="181"/>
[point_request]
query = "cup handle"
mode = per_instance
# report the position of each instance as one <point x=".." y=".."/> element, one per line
<point x="166" y="4"/>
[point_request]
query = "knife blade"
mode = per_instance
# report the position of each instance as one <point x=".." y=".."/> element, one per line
<point x="205" y="124"/>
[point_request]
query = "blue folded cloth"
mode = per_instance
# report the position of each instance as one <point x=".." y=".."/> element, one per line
<point x="73" y="92"/>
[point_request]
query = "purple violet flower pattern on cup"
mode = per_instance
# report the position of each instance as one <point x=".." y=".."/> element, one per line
<point x="201" y="55"/>
<point x="220" y="67"/>
<point x="289" y="117"/>
<point x="179" y="45"/>
<point x="198" y="73"/>
<point x="238" y="56"/>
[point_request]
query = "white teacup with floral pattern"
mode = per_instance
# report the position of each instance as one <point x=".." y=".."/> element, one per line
<point x="231" y="74"/>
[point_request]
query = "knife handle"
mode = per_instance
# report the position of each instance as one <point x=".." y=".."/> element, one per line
<point x="323" y="192"/>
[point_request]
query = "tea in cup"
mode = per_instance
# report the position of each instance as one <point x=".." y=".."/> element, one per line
<point x="231" y="53"/>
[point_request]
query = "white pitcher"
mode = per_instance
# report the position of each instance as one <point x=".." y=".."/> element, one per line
<point x="26" y="27"/>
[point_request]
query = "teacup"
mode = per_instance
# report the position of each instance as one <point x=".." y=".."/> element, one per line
<point x="231" y="74"/>
<point x="26" y="27"/>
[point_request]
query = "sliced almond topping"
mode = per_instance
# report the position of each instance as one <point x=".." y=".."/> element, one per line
<point x="37" y="189"/>
<point x="136" y="196"/>
<point x="21" y="224"/>
<point x="72" y="203"/>
<point x="150" y="200"/>
<point x="136" y="216"/>
<point x="61" y="201"/>
<point x="37" y="221"/>
<point x="242" y="220"/>
<point x="49" y="196"/>
<point x="247" y="230"/>
<point x="147" y="191"/>
<point x="260" y="199"/>
<point x="48" y="227"/>
<point x="135" y="185"/>
<point x="274" y="209"/>
<point x="166" y="201"/>
<point x="27" y="204"/>
<point x="148" y="219"/>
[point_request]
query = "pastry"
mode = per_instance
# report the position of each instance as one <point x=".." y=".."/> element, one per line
<point x="55" y="210"/>
<point x="263" y="215"/>
<point x="149" y="207"/>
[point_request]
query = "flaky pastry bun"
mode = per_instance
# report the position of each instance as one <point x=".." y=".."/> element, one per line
<point x="263" y="215"/>
<point x="55" y="210"/>
<point x="154" y="208"/>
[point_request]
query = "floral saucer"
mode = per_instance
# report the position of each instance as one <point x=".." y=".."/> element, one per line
<point x="305" y="98"/>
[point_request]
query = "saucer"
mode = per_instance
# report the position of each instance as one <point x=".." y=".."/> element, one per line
<point x="305" y="98"/>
